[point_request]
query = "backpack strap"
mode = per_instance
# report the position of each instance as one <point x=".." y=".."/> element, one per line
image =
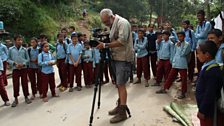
<point x="64" y="47"/>
<point x="211" y="66"/>
<point x="68" y="41"/>
<point x="29" y="50"/>
<point x="190" y="35"/>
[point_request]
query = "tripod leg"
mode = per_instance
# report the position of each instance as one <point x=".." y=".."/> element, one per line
<point x="99" y="95"/>
<point x="98" y="83"/>
<point x="93" y="104"/>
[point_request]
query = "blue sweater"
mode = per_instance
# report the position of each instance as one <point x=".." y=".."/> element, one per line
<point x="208" y="90"/>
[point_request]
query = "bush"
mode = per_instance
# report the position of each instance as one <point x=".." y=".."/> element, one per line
<point x="95" y="22"/>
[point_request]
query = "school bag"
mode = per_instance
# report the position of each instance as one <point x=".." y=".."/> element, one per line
<point x="220" y="102"/>
<point x="64" y="47"/>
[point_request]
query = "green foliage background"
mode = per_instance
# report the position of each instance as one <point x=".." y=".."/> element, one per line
<point x="32" y="17"/>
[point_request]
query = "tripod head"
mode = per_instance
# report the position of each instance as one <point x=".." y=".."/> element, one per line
<point x="99" y="35"/>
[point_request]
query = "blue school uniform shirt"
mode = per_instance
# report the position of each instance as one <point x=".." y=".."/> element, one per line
<point x="173" y="36"/>
<point x="86" y="53"/>
<point x="19" y="56"/>
<point x="179" y="57"/>
<point x="208" y="88"/>
<point x="218" y="58"/>
<point x="43" y="59"/>
<point x="75" y="51"/>
<point x="202" y="31"/>
<point x="134" y="36"/>
<point x="190" y="39"/>
<point x="140" y="47"/>
<point x="33" y="55"/>
<point x="96" y="56"/>
<point x="164" y="49"/>
<point x="3" y="52"/>
<point x="61" y="52"/>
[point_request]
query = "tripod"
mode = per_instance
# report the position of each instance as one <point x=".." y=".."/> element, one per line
<point x="103" y="54"/>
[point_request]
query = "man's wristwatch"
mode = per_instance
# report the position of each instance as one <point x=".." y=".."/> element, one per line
<point x="106" y="45"/>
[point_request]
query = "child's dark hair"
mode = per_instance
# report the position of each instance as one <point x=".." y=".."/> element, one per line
<point x="181" y="33"/>
<point x="64" y="29"/>
<point x="151" y="25"/>
<point x="216" y="32"/>
<point x="74" y="35"/>
<point x="42" y="45"/>
<point x="43" y="36"/>
<point x="209" y="47"/>
<point x="186" y="22"/>
<point x="166" y="33"/>
<point x="35" y="39"/>
<point x="158" y="33"/>
<point x="202" y="12"/>
<point x="140" y="30"/>
<point x="72" y="27"/>
<point x="59" y="34"/>
<point x="17" y="36"/>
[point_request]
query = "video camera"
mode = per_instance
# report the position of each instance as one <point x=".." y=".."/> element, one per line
<point x="99" y="35"/>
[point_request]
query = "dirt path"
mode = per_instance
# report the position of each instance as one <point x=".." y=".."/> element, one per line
<point x="73" y="109"/>
<point x="83" y="27"/>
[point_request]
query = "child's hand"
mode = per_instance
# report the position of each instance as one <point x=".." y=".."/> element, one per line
<point x="34" y="61"/>
<point x="200" y="115"/>
<point x="178" y="43"/>
<point x="159" y="40"/>
<point x="76" y="64"/>
<point x="50" y="63"/>
<point x="19" y="66"/>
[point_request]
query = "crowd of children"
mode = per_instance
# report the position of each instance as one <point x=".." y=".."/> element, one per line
<point x="165" y="52"/>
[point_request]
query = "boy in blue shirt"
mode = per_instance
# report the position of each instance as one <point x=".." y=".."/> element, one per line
<point x="209" y="85"/>
<point x="46" y="61"/>
<point x="34" y="71"/>
<point x="164" y="48"/>
<point x="4" y="57"/>
<point x="179" y="65"/>
<point x="61" y="56"/>
<point x="3" y="92"/>
<point x="216" y="36"/>
<point x="152" y="48"/>
<point x="75" y="53"/>
<point x="19" y="59"/>
<point x="190" y="38"/>
<point x="87" y="57"/>
<point x="140" y="47"/>
<point x="201" y="32"/>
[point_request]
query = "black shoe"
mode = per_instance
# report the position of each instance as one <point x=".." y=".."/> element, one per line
<point x="161" y="91"/>
<point x="182" y="96"/>
<point x="155" y="84"/>
<point x="14" y="104"/>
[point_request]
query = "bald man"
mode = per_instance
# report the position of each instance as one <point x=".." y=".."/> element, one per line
<point x="121" y="45"/>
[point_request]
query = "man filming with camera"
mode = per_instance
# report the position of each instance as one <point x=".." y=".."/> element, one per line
<point x="122" y="55"/>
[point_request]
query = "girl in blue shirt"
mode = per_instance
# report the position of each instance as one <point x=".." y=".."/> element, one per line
<point x="34" y="71"/>
<point x="75" y="52"/>
<point x="3" y="92"/>
<point x="61" y="55"/>
<point x="46" y="61"/>
<point x="4" y="57"/>
<point x="88" y="65"/>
